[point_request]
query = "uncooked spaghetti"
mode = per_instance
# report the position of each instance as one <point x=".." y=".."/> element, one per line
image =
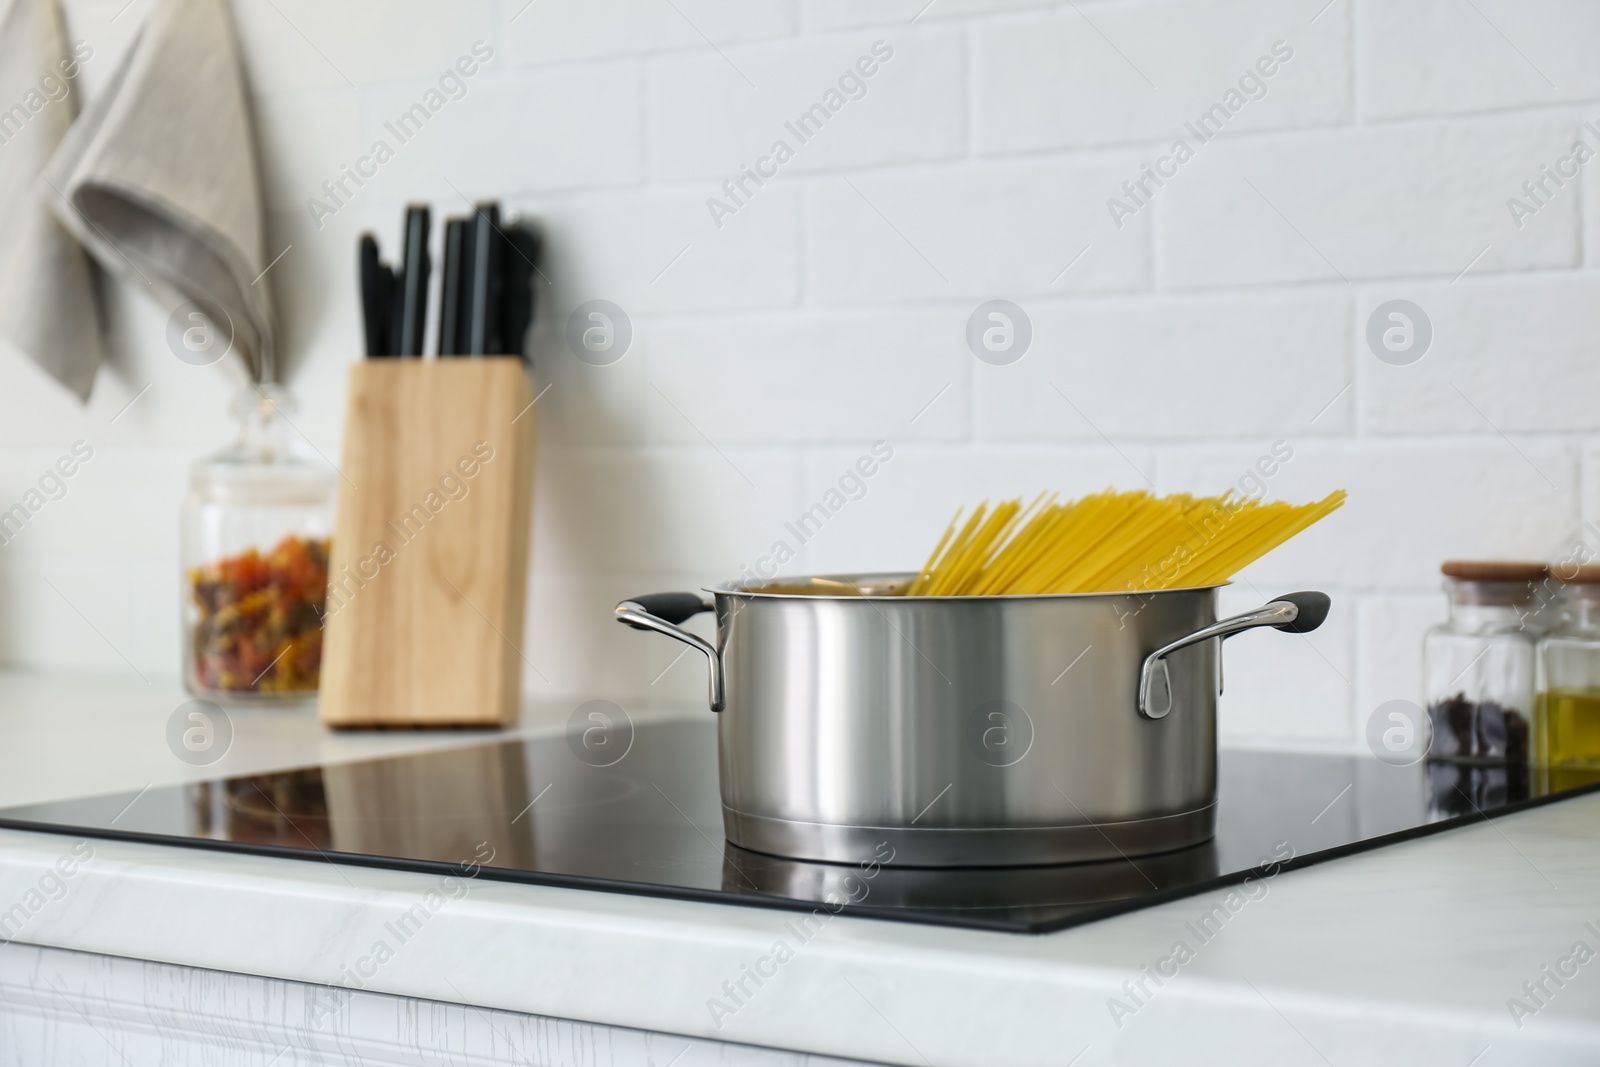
<point x="1109" y="542"/>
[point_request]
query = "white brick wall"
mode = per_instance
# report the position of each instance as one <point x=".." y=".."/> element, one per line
<point x="1367" y="203"/>
<point x="1120" y="73"/>
<point x="712" y="111"/>
<point x="892" y="236"/>
<point x="1229" y="312"/>
<point x="1510" y="55"/>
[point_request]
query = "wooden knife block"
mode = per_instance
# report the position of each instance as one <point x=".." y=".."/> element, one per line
<point x="428" y="577"/>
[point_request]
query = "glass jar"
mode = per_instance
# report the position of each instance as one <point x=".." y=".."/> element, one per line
<point x="255" y="534"/>
<point x="1567" y="715"/>
<point x="1480" y="663"/>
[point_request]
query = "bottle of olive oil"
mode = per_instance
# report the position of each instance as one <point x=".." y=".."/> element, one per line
<point x="1566" y="721"/>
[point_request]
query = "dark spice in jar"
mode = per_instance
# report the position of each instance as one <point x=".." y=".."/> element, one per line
<point x="1477" y="730"/>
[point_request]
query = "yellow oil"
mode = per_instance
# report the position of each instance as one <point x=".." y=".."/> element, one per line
<point x="1566" y="729"/>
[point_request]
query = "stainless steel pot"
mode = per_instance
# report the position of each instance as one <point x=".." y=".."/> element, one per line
<point x="963" y="731"/>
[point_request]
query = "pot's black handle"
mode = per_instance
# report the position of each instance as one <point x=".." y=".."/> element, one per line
<point x="1313" y="609"/>
<point x="662" y="612"/>
<point x="669" y="607"/>
<point x="1296" y="613"/>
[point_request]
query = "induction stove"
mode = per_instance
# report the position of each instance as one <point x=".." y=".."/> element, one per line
<point x="539" y="810"/>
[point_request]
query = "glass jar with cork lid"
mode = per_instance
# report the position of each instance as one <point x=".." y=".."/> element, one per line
<point x="1566" y="735"/>
<point x="1480" y="662"/>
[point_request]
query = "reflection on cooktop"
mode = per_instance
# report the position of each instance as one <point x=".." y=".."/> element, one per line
<point x="529" y="810"/>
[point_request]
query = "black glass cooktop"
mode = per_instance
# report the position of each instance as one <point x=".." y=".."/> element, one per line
<point x="539" y="811"/>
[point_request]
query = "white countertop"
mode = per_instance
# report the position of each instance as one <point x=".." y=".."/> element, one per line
<point x="1407" y="954"/>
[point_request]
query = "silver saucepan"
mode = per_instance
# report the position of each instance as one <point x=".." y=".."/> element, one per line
<point x="969" y="731"/>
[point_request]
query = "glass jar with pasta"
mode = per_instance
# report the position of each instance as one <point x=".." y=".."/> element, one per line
<point x="255" y="537"/>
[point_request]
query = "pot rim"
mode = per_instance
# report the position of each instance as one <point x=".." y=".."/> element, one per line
<point x="784" y="589"/>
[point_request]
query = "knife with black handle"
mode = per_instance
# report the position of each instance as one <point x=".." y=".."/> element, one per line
<point x="392" y="282"/>
<point x="414" y="286"/>
<point x="374" y="298"/>
<point x="450" y="288"/>
<point x="483" y="306"/>
<point x="520" y="261"/>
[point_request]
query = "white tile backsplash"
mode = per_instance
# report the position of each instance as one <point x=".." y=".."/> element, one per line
<point x="712" y="112"/>
<point x="683" y="508"/>
<point x="1082" y="75"/>
<point x="1490" y="55"/>
<point x="513" y="131"/>
<point x="296" y="44"/>
<point x="1389" y="629"/>
<point x="843" y="14"/>
<point x="820" y="376"/>
<point x="1018" y="229"/>
<point x="1295" y="688"/>
<point x="305" y="139"/>
<point x="655" y="252"/>
<point x="1366" y="203"/>
<point x="1173" y="368"/>
<point x="572" y="31"/>
<point x="782" y="327"/>
<point x="1493" y="339"/>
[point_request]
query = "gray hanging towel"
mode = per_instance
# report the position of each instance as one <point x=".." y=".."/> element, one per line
<point x="160" y="176"/>
<point x="48" y="300"/>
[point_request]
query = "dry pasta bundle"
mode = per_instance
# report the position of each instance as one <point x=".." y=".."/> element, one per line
<point x="1109" y="542"/>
